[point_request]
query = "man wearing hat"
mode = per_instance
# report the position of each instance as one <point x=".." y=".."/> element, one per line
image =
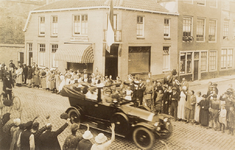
<point x="85" y="143"/>
<point x="101" y="140"/>
<point x="71" y="142"/>
<point x="174" y="98"/>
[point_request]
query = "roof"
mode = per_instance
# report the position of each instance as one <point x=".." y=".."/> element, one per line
<point x="150" y="5"/>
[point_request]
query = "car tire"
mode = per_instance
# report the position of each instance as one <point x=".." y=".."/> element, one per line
<point x="74" y="115"/>
<point x="170" y="128"/>
<point x="121" y="123"/>
<point x="143" y="138"/>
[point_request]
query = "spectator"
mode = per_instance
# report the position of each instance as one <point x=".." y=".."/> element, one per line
<point x="101" y="140"/>
<point x="184" y="83"/>
<point x="204" y="111"/>
<point x="223" y="118"/>
<point x="30" y="76"/>
<point x="197" y="107"/>
<point x="71" y="142"/>
<point x="36" y="132"/>
<point x="36" y="75"/>
<point x="174" y="103"/>
<point x="5" y="125"/>
<point x="25" y="73"/>
<point x="43" y="79"/>
<point x="24" y="138"/>
<point x="19" y="73"/>
<point x="85" y="143"/>
<point x="13" y="131"/>
<point x="48" y="82"/>
<point x="165" y="98"/>
<point x="231" y="120"/>
<point x="18" y="135"/>
<point x="181" y="105"/>
<point x="190" y="106"/>
<point x="214" y="112"/>
<point x="12" y="66"/>
<point x="8" y="84"/>
<point x="49" y="140"/>
<point x="148" y="95"/>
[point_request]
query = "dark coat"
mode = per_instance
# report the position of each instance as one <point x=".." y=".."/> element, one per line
<point x="25" y="70"/>
<point x="204" y="112"/>
<point x="30" y="73"/>
<point x="84" y="144"/>
<point x="24" y="140"/>
<point x="37" y="134"/>
<point x="71" y="142"/>
<point x="8" y="83"/>
<point x="49" y="141"/>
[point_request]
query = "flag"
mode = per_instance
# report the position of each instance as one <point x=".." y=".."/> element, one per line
<point x="110" y="32"/>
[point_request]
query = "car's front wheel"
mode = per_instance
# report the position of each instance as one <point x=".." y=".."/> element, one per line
<point x="143" y="138"/>
<point x="74" y="115"/>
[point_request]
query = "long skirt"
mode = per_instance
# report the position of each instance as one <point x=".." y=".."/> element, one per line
<point x="204" y="117"/>
<point x="36" y="80"/>
<point x="43" y="83"/>
<point x="181" y="109"/>
<point x="19" y="79"/>
<point x="197" y="113"/>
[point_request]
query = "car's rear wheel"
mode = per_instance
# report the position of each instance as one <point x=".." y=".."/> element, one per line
<point x="74" y="115"/>
<point x="143" y="138"/>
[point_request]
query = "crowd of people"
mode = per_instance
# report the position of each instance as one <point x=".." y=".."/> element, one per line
<point x="168" y="96"/>
<point x="15" y="135"/>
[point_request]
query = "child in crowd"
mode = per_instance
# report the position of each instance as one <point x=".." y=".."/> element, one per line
<point x="223" y="118"/>
<point x="231" y="120"/>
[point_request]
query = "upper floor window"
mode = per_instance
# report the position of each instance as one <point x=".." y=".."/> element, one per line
<point x="140" y="26"/>
<point x="41" y="25"/>
<point x="166" y="28"/>
<point x="201" y="2"/>
<point x="200" y="34"/>
<point x="225" y="29"/>
<point x="30" y="47"/>
<point x="212" y="3"/>
<point x="187" y="26"/>
<point x="212" y="30"/>
<point x="80" y="24"/>
<point x="54" y="26"/>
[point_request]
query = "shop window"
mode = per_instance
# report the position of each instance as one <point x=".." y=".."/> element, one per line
<point x="166" y="28"/>
<point x="54" y="26"/>
<point x="166" y="58"/>
<point x="80" y="24"/>
<point x="139" y="60"/>
<point x="212" y="30"/>
<point x="203" y="61"/>
<point x="140" y="26"/>
<point x="212" y="60"/>
<point x="200" y="34"/>
<point x="186" y="63"/>
<point x="225" y="29"/>
<point x="42" y="54"/>
<point x="41" y="26"/>
<point x="54" y="48"/>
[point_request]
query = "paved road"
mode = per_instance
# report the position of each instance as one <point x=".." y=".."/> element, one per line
<point x="184" y="137"/>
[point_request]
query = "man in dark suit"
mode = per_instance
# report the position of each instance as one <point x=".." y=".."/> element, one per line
<point x="25" y="73"/>
<point x="48" y="140"/>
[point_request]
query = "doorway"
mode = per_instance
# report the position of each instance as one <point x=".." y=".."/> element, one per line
<point x="196" y="63"/>
<point x="30" y="58"/>
<point x="21" y="57"/>
<point x="111" y="62"/>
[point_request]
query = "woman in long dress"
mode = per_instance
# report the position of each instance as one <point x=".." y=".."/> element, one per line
<point x="19" y="72"/>
<point x="36" y="77"/>
<point x="43" y="79"/>
<point x="52" y="81"/>
<point x="197" y="108"/>
<point x="57" y="80"/>
<point x="181" y="104"/>
<point x="204" y="111"/>
<point x="62" y="78"/>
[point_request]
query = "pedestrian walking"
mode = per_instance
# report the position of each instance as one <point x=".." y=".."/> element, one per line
<point x="204" y="111"/>
<point x="71" y="141"/>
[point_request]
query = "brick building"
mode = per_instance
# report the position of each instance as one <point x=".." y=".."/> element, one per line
<point x="71" y="35"/>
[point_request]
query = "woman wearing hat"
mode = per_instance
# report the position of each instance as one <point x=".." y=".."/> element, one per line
<point x="101" y="140"/>
<point x="204" y="110"/>
<point x="85" y="143"/>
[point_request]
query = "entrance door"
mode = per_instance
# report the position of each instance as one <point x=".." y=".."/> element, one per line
<point x="30" y="58"/>
<point x="111" y="62"/>
<point x="196" y="63"/>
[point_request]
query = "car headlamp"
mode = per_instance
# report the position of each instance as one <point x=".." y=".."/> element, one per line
<point x="165" y="119"/>
<point x="156" y="124"/>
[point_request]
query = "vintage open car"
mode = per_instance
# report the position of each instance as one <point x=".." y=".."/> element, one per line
<point x="136" y="122"/>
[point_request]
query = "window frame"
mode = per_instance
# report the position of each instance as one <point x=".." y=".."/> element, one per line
<point x="52" y="55"/>
<point x="169" y="60"/>
<point x="140" y="36"/>
<point x="216" y="61"/>
<point x="227" y="56"/>
<point x="39" y="26"/>
<point x="207" y="63"/>
<point x="204" y="29"/>
<point x="44" y="52"/>
<point x="52" y="26"/>
<point x="225" y="31"/>
<point x="169" y="28"/>
<point x="191" y="26"/>
<point x="186" y="60"/>
<point x="80" y="24"/>
<point x="215" y="31"/>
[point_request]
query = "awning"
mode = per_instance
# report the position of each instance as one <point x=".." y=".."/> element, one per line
<point x="76" y="53"/>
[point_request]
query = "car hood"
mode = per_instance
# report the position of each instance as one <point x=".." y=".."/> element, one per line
<point x="134" y="111"/>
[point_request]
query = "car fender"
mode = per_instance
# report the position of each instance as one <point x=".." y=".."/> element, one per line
<point x="146" y="125"/>
<point x="77" y="108"/>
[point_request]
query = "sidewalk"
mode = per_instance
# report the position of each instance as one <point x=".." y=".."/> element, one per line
<point x="206" y="81"/>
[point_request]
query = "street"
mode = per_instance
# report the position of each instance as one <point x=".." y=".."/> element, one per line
<point x="185" y="136"/>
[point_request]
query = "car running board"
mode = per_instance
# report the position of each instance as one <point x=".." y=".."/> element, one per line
<point x="94" y="125"/>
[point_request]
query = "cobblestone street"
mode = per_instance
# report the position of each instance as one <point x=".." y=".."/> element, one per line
<point x="185" y="136"/>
